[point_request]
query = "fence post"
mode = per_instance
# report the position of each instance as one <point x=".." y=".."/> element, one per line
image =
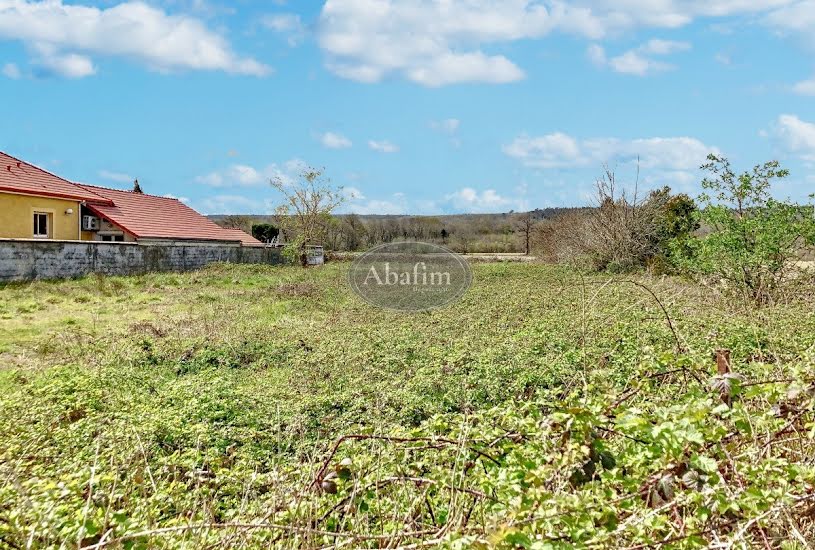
<point x="723" y="368"/>
<point x="723" y="361"/>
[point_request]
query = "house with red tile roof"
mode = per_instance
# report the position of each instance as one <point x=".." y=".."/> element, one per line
<point x="36" y="204"/>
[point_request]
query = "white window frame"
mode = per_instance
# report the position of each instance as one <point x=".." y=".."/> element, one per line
<point x="35" y="220"/>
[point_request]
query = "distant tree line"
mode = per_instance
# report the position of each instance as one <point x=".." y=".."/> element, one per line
<point x="503" y="232"/>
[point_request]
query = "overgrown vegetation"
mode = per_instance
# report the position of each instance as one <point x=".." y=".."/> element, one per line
<point x="739" y="240"/>
<point x="624" y="232"/>
<point x="247" y="406"/>
<point x="753" y="241"/>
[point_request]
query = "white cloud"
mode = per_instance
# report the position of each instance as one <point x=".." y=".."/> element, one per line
<point x="596" y="54"/>
<point x="352" y="193"/>
<point x="638" y="61"/>
<point x="440" y="42"/>
<point x="287" y="24"/>
<point x="231" y="204"/>
<point x="333" y="140"/>
<point x="723" y="59"/>
<point x="184" y="200"/>
<point x="798" y="136"/>
<point x="805" y="87"/>
<point x="447" y="126"/>
<point x="468" y="199"/>
<point x="663" y="47"/>
<point x="383" y="146"/>
<point x="632" y="62"/>
<point x="10" y="70"/>
<point x="71" y="33"/>
<point x="70" y="65"/>
<point x="560" y="150"/>
<point x="795" y="18"/>
<point x="294" y="167"/>
<point x="242" y="175"/>
<point x="377" y="206"/>
<point x="549" y="151"/>
<point x="118" y="177"/>
<point x="450" y="127"/>
<point x="453" y="68"/>
<point x="235" y="175"/>
<point x="428" y="42"/>
<point x="358" y="203"/>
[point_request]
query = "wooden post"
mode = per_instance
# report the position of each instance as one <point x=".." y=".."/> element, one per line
<point x="723" y="361"/>
<point x="723" y="367"/>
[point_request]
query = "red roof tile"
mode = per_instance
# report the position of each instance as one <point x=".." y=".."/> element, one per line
<point x="245" y="238"/>
<point x="17" y="176"/>
<point x="149" y="216"/>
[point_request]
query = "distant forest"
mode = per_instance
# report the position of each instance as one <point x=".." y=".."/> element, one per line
<point x="504" y="232"/>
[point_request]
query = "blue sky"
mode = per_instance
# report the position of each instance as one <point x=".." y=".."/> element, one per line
<point x="414" y="106"/>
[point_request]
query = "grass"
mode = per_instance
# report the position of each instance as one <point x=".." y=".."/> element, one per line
<point x="151" y="402"/>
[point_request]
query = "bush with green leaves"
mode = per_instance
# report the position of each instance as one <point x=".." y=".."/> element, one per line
<point x="625" y="232"/>
<point x="264" y="232"/>
<point x="754" y="239"/>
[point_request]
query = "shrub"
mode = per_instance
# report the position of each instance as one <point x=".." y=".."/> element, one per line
<point x="562" y="239"/>
<point x="623" y="233"/>
<point x="754" y="239"/>
<point x="264" y="232"/>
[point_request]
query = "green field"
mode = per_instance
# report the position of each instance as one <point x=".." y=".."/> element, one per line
<point x="546" y="409"/>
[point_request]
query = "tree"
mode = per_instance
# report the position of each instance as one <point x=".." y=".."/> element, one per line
<point x="524" y="225"/>
<point x="264" y="232"/>
<point x="680" y="221"/>
<point x="244" y="223"/>
<point x="354" y="231"/>
<point x="754" y="239"/>
<point x="306" y="210"/>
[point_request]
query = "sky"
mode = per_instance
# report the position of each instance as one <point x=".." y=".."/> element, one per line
<point x="412" y="106"/>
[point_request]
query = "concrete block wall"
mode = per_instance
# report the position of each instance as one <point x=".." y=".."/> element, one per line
<point x="25" y="260"/>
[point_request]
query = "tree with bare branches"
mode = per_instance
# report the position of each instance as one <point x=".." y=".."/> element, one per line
<point x="306" y="210"/>
<point x="524" y="225"/>
<point x="236" y="221"/>
<point x="624" y="231"/>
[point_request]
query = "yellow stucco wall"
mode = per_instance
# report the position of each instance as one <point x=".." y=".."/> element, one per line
<point x="17" y="217"/>
<point x="106" y="228"/>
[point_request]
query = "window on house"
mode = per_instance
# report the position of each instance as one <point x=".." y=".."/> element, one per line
<point x="40" y="225"/>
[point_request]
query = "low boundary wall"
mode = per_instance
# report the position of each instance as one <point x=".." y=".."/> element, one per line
<point x="26" y="260"/>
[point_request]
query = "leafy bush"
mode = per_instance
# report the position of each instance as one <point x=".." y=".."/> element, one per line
<point x="623" y="233"/>
<point x="264" y="232"/>
<point x="753" y="239"/>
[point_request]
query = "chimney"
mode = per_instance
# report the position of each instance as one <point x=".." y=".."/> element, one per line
<point x="137" y="188"/>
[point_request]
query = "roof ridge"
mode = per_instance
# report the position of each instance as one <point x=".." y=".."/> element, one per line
<point x="21" y="161"/>
<point x="126" y="191"/>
